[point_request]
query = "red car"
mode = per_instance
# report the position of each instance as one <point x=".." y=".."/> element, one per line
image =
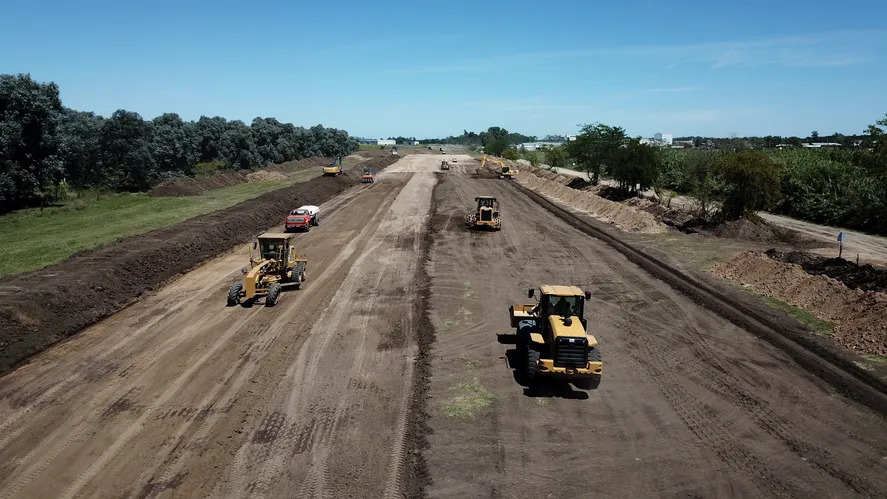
<point x="302" y="218"/>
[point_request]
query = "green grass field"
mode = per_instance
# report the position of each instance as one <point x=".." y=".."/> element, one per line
<point x="34" y="238"/>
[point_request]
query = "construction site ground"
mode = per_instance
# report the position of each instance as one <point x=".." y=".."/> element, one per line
<point x="392" y="373"/>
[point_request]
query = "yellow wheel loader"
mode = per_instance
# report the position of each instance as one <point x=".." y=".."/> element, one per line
<point x="486" y="215"/>
<point x="553" y="339"/>
<point x="273" y="264"/>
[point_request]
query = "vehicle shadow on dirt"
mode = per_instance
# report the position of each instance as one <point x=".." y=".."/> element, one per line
<point x="544" y="388"/>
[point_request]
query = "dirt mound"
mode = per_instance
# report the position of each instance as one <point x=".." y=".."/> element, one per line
<point x="624" y="217"/>
<point x="299" y="164"/>
<point x="264" y="176"/>
<point x="43" y="307"/>
<point x="187" y="186"/>
<point x="758" y="230"/>
<point x="194" y="186"/>
<point x="865" y="277"/>
<point x="859" y="316"/>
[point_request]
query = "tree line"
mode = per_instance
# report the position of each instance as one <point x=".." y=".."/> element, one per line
<point x="45" y="146"/>
<point x="495" y="140"/>
<point x="844" y="187"/>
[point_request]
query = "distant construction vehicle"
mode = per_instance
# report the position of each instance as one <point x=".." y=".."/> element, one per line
<point x="302" y="218"/>
<point x="334" y="168"/>
<point x="369" y="176"/>
<point x="486" y="214"/>
<point x="274" y="265"/>
<point x="444" y="165"/>
<point x="504" y="171"/>
<point x="553" y="339"/>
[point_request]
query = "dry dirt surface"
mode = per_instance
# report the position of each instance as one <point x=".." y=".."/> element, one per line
<point x="179" y="395"/>
<point x="338" y="390"/>
<point x="689" y="405"/>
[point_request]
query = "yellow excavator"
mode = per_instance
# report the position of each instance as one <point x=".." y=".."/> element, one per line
<point x="553" y="338"/>
<point x="334" y="168"/>
<point x="504" y="171"/>
<point x="274" y="265"/>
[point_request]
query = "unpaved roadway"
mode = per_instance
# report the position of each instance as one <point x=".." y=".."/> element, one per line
<point x="181" y="396"/>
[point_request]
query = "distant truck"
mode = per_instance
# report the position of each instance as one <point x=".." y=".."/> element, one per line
<point x="302" y="218"/>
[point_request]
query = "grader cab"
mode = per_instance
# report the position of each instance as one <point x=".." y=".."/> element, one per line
<point x="553" y="338"/>
<point x="486" y="215"/>
<point x="273" y="264"/>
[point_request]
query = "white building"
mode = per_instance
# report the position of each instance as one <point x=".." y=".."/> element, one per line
<point x="664" y="138"/>
<point x="383" y="142"/>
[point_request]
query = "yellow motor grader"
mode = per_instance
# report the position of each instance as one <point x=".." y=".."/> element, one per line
<point x="486" y="215"/>
<point x="553" y="338"/>
<point x="273" y="264"/>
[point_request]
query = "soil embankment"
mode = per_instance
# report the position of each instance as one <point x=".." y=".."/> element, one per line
<point x="43" y="307"/>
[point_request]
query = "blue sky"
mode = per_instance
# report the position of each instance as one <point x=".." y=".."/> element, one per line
<point x="434" y="69"/>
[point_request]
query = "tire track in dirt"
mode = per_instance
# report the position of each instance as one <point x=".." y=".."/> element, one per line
<point x="150" y="413"/>
<point x="319" y="405"/>
<point x="696" y="399"/>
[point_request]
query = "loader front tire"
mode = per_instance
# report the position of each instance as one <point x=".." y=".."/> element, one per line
<point x="234" y="294"/>
<point x="531" y="365"/>
<point x="593" y="381"/>
<point x="273" y="294"/>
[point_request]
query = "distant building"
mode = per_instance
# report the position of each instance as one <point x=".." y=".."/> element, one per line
<point x="818" y="145"/>
<point x="663" y="138"/>
<point x="532" y="146"/>
<point x="383" y="142"/>
<point x="571" y="137"/>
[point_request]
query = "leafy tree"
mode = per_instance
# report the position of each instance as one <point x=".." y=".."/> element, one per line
<point x="636" y="164"/>
<point x="596" y="146"/>
<point x="532" y="157"/>
<point x="208" y="137"/>
<point x="80" y="147"/>
<point x="511" y="153"/>
<point x="496" y="147"/>
<point x="126" y="156"/>
<point x="556" y="157"/>
<point x="238" y="147"/>
<point x="172" y="145"/>
<point x="751" y="182"/>
<point x="28" y="150"/>
<point x="814" y="135"/>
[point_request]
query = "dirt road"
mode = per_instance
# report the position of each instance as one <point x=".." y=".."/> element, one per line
<point x="180" y="396"/>
<point x="689" y="405"/>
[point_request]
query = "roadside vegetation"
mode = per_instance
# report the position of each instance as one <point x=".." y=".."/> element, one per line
<point x="734" y="178"/>
<point x="33" y="238"/>
<point x="48" y="151"/>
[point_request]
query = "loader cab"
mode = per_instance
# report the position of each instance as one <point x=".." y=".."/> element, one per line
<point x="566" y="302"/>
<point x="487" y="208"/>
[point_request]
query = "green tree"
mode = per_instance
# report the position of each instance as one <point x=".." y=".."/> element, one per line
<point x="29" y="164"/>
<point x="126" y="156"/>
<point x="636" y="164"/>
<point x="751" y="182"/>
<point x="511" y="153"/>
<point x="172" y="145"/>
<point x="596" y="146"/>
<point x="496" y="147"/>
<point x="557" y="157"/>
<point x="532" y="157"/>
<point x="80" y="147"/>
